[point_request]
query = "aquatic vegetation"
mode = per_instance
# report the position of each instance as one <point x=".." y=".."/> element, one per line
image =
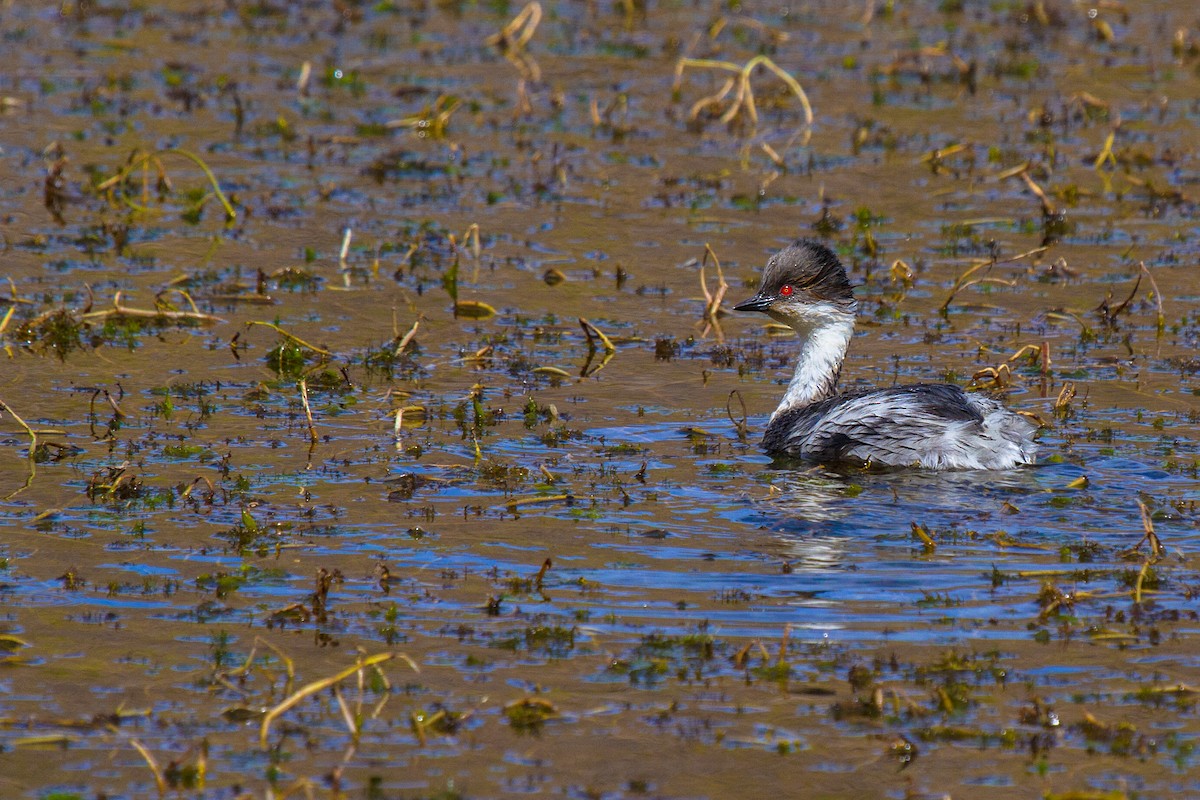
<point x="437" y="377"/>
<point x="742" y="107"/>
<point x="120" y="187"/>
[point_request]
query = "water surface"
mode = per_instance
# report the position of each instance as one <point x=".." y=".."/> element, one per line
<point x="608" y="589"/>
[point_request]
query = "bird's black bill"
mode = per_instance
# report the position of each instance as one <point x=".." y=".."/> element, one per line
<point x="760" y="302"/>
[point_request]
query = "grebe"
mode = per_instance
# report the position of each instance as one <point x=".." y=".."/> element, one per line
<point x="937" y="426"/>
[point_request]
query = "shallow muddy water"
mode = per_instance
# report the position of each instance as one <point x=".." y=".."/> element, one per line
<point x="245" y="451"/>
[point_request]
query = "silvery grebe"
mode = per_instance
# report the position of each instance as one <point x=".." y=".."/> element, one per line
<point x="937" y="426"/>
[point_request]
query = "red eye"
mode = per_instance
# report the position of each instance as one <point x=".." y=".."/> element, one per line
<point x="786" y="290"/>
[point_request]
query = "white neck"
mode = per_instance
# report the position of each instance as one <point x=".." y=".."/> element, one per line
<point x="825" y="331"/>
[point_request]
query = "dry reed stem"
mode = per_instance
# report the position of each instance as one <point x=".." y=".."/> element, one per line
<point x="312" y="429"/>
<point x="312" y="688"/>
<point x="712" y="300"/>
<point x="1161" y="322"/>
<point x="111" y="403"/>
<point x="291" y="337"/>
<point x="711" y="99"/>
<point x="776" y="159"/>
<point x="408" y="337"/>
<point x="1026" y="350"/>
<point x="474" y="309"/>
<point x="541" y="574"/>
<point x="472" y="235"/>
<point x="513" y="37"/>
<point x="938" y="155"/>
<point x="961" y="281"/>
<point x="142" y="159"/>
<point x="1110" y="314"/>
<point x="999" y="377"/>
<point x="182" y="293"/>
<point x="33" y="443"/>
<point x="744" y="99"/>
<point x="533" y="501"/>
<point x="926" y="540"/>
<point x="433" y="120"/>
<point x="129" y="312"/>
<point x="347" y="715"/>
<point x="1048" y="208"/>
<point x="345" y="251"/>
<point x="8" y="315"/>
<point x="740" y="425"/>
<point x="593" y="333"/>
<point x="305" y="76"/>
<point x="1157" y="550"/>
<point x="160" y="780"/>
<point x="1106" y="153"/>
<point x="773" y="34"/>
<point x="1065" y="396"/>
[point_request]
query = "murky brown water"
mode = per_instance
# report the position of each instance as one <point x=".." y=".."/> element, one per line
<point x="711" y="624"/>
